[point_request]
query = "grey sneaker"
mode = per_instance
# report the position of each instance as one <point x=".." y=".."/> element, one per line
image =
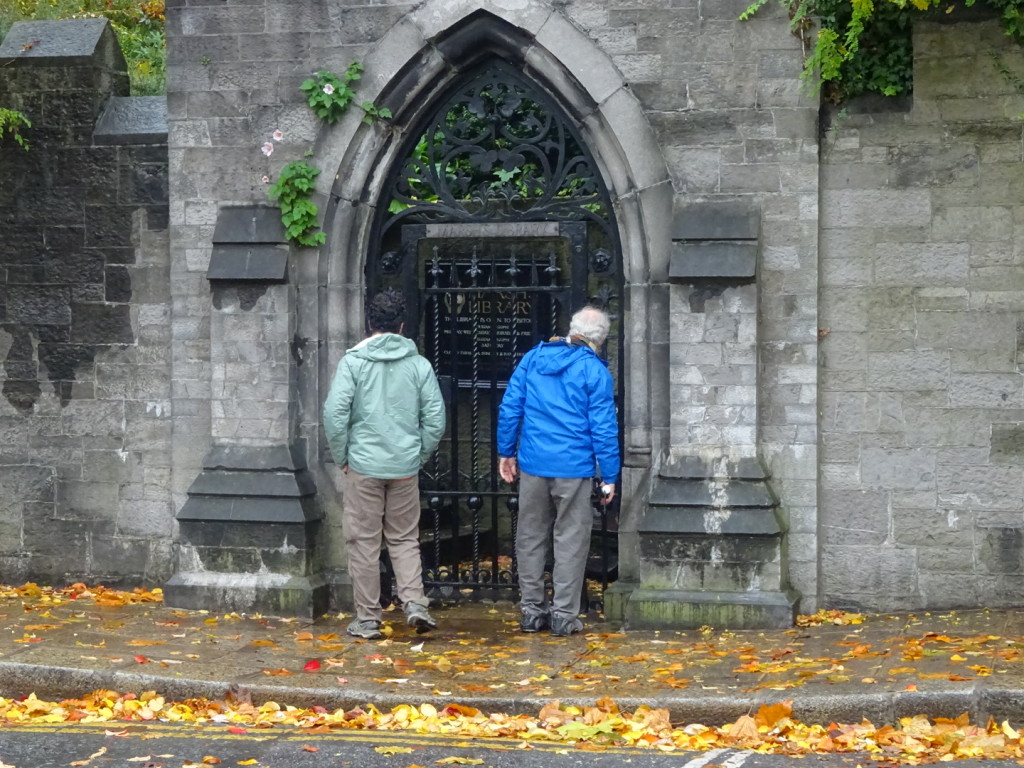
<point x="416" y="616"/>
<point x="563" y="627"/>
<point x="368" y="629"/>
<point x="531" y="623"/>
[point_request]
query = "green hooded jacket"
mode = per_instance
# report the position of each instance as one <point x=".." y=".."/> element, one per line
<point x="384" y="415"/>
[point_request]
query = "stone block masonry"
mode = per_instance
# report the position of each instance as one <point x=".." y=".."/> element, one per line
<point x="85" y="375"/>
<point x="860" y="342"/>
<point x="922" y="294"/>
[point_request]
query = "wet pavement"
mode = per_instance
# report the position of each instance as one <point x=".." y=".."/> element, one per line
<point x="885" y="668"/>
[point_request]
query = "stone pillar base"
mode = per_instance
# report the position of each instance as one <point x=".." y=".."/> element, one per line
<point x="711" y="551"/>
<point x="616" y="598"/>
<point x="340" y="585"/>
<point x="249" y="536"/>
<point x="678" y="609"/>
<point x="272" y="594"/>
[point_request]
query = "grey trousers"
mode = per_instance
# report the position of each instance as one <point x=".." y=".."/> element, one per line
<point x="557" y="508"/>
<point x="388" y="509"/>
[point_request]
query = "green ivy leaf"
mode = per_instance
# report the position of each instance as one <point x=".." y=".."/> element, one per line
<point x="298" y="213"/>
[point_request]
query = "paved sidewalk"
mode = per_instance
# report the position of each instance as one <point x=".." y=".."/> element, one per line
<point x="938" y="664"/>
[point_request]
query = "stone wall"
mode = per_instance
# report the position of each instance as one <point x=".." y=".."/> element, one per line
<point x="680" y="102"/>
<point x="153" y="366"/>
<point x="84" y="315"/>
<point x="922" y="246"/>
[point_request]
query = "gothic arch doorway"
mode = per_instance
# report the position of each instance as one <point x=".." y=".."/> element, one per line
<point x="496" y="225"/>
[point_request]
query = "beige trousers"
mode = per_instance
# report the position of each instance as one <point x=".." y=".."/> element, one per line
<point x="378" y="509"/>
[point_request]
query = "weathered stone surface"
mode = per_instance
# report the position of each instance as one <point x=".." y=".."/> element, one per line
<point x="1007" y="446"/>
<point x="133" y="120"/>
<point x="909" y="264"/>
<point x="258" y="263"/>
<point x="732" y="220"/>
<point x="74" y="362"/>
<point x="253" y="224"/>
<point x="893" y="248"/>
<point x="947" y="350"/>
<point x="713" y="259"/>
<point x="692" y="609"/>
<point x="76" y="41"/>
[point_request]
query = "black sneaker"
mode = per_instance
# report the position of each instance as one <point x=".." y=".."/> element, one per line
<point x="565" y="627"/>
<point x="531" y="624"/>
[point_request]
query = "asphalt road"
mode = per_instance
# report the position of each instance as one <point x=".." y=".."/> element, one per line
<point x="170" y="746"/>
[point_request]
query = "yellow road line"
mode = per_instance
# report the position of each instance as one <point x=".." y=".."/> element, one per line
<point x="288" y="733"/>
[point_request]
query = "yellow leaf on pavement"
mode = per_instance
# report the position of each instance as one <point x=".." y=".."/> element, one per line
<point x="393" y="750"/>
<point x="459" y="761"/>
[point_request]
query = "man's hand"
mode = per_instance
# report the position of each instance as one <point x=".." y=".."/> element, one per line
<point x="508" y="469"/>
<point x="607" y="493"/>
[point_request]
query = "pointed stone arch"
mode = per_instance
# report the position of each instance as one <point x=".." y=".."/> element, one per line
<point x="418" y="58"/>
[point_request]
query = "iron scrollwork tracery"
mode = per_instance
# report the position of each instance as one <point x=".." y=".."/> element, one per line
<point x="497" y="150"/>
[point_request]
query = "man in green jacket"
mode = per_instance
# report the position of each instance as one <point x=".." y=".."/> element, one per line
<point x="384" y="417"/>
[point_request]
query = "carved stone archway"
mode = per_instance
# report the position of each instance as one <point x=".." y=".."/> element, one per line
<point x="580" y="79"/>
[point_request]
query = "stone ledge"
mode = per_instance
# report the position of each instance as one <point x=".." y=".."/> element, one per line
<point x="218" y="482"/>
<point x="270" y="458"/>
<point x="691" y="492"/>
<point x="718" y="220"/>
<point x="748" y="468"/>
<point x="248" y="509"/>
<point x="262" y="263"/>
<point x="132" y="120"/>
<point x="726" y="259"/>
<point x="679" y="609"/>
<point x="54" y="42"/>
<point x="249" y="224"/>
<point x="736" y="522"/>
<point x="249" y="245"/>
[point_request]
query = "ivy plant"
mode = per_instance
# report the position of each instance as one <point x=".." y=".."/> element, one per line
<point x="11" y="123"/>
<point x="866" y="47"/>
<point x="292" y="190"/>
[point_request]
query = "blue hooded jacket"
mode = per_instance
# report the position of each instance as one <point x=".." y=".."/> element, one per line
<point x="558" y="414"/>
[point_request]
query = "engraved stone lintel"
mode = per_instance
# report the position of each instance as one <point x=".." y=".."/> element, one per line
<point x="494" y="229"/>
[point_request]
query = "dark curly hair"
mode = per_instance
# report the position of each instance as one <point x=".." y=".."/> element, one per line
<point x="386" y="312"/>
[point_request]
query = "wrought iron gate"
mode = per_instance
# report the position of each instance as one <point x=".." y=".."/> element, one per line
<point x="497" y="229"/>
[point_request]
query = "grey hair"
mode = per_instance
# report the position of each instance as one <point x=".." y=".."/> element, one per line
<point x="592" y="324"/>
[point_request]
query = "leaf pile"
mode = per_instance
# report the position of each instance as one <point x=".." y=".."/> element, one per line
<point x="825" y="616"/>
<point x="78" y="591"/>
<point x="772" y="730"/>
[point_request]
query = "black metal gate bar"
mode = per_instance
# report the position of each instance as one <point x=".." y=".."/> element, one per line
<point x="493" y="457"/>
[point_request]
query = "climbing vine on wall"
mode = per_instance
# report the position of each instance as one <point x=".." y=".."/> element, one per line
<point x="329" y="96"/>
<point x="292" y="191"/>
<point x="865" y="47"/>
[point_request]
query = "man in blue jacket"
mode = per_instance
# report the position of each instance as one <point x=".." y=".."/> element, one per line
<point x="383" y="418"/>
<point x="558" y="417"/>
